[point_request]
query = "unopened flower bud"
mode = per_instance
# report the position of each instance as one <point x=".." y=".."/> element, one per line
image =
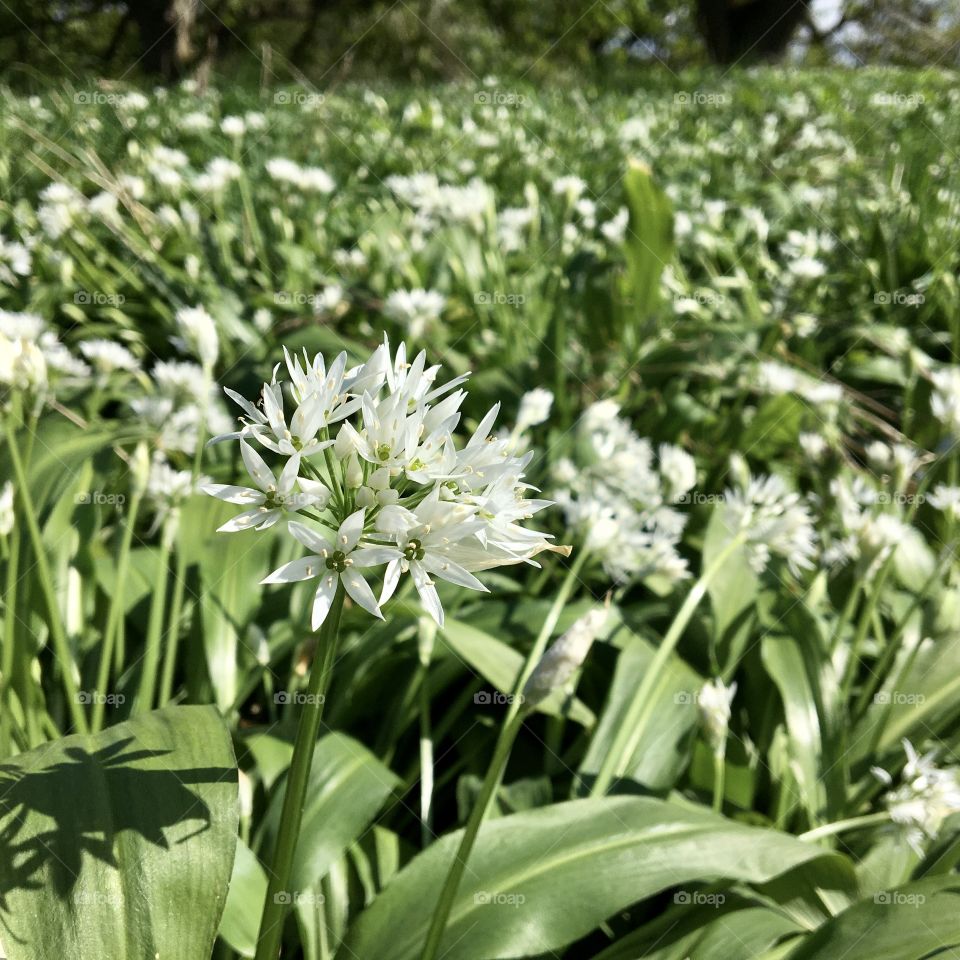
<point x="140" y="468"/>
<point x="354" y="471"/>
<point x="564" y="658"/>
<point x="714" y="702"/>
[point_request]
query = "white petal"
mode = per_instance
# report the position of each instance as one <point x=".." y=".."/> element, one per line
<point x="232" y="494"/>
<point x="288" y="476"/>
<point x="359" y="589"/>
<point x="350" y="530"/>
<point x="314" y="491"/>
<point x="427" y="591"/>
<point x="390" y="580"/>
<point x="323" y="599"/>
<point x="374" y="556"/>
<point x="446" y="569"/>
<point x="248" y="408"/>
<point x="257" y="467"/>
<point x="306" y="568"/>
<point x="243" y="521"/>
<point x="309" y="538"/>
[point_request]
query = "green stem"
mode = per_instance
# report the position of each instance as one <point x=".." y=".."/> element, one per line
<point x="151" y="660"/>
<point x="9" y="645"/>
<point x="115" y="616"/>
<point x="173" y="630"/>
<point x="441" y="913"/>
<point x="719" y="778"/>
<point x="275" y="905"/>
<point x="425" y="645"/>
<point x="640" y="710"/>
<point x="61" y="647"/>
<point x="840" y="826"/>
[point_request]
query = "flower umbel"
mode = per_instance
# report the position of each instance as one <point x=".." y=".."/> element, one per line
<point x="370" y="460"/>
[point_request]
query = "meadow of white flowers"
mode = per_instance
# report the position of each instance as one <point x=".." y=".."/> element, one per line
<point x="578" y="468"/>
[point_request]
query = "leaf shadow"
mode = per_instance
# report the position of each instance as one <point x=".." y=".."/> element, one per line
<point x="83" y="803"/>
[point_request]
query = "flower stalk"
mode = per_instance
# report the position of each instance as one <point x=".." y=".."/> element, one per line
<point x="281" y="870"/>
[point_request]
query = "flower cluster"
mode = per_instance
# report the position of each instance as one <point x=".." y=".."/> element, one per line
<point x="926" y="797"/>
<point x="369" y="462"/>
<point x="619" y="496"/>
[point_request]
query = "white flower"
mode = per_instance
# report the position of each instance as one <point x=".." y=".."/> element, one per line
<point x="273" y="495"/>
<point x="233" y="126"/>
<point x="774" y="521"/>
<point x="714" y="701"/>
<point x="946" y="499"/>
<point x="945" y="402"/>
<point x="926" y="797"/>
<point x="569" y="187"/>
<point x="198" y="334"/>
<point x="813" y="445"/>
<point x="108" y="356"/>
<point x="534" y="408"/>
<point x="380" y="437"/>
<point x="334" y="563"/>
<point x="415" y="309"/>
<point x="6" y="509"/>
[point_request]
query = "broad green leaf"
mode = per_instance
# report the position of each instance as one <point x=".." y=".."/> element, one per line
<point x="907" y="923"/>
<point x="241" y="915"/>
<point x="525" y="892"/>
<point x="120" y="844"/>
<point x="733" y="589"/>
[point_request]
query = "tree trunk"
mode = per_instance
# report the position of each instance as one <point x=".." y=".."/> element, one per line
<point x="755" y="30"/>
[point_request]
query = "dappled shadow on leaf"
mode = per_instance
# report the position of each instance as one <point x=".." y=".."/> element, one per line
<point x="84" y="802"/>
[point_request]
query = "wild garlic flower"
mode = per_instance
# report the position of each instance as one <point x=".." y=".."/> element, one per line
<point x="108" y="356"/>
<point x="926" y="797"/>
<point x="6" y="509"/>
<point x="947" y="499"/>
<point x="714" y="701"/>
<point x="619" y="496"/>
<point x="534" y="409"/>
<point x="372" y="466"/>
<point x="774" y="521"/>
<point x="415" y="310"/>
<point x="198" y="335"/>
<point x="945" y="402"/>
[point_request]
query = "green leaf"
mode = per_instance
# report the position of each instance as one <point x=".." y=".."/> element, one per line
<point x="120" y="844"/>
<point x="648" y="241"/>
<point x="908" y="923"/>
<point x="659" y="758"/>
<point x="241" y="915"/>
<point x="524" y="891"/>
<point x="784" y="662"/>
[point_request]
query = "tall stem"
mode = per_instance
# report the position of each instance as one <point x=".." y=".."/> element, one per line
<point x="151" y="660"/>
<point x="441" y="913"/>
<point x="61" y="647"/>
<point x="8" y="651"/>
<point x="115" y="616"/>
<point x="173" y="631"/>
<point x="839" y="826"/>
<point x="640" y="710"/>
<point x="275" y="905"/>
